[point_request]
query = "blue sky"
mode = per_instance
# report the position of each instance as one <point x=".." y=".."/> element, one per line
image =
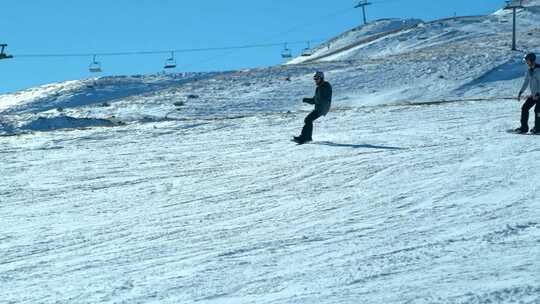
<point x="61" y="26"/>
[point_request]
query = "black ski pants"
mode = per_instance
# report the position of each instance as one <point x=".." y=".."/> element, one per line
<point x="307" y="130"/>
<point x="529" y="103"/>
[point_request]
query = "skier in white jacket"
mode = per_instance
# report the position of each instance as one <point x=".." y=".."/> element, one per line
<point x="532" y="80"/>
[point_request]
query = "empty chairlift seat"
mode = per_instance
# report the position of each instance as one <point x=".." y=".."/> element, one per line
<point x="307" y="51"/>
<point x="95" y="66"/>
<point x="170" y="63"/>
<point x="286" y="53"/>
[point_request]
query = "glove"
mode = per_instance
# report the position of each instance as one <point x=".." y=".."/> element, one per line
<point x="306" y="100"/>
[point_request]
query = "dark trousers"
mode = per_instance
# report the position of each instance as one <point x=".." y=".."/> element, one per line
<point x="307" y="130"/>
<point x="529" y="103"/>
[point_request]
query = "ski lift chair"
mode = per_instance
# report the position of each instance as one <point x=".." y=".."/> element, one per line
<point x="286" y="53"/>
<point x="95" y="66"/>
<point x="170" y="63"/>
<point x="307" y="51"/>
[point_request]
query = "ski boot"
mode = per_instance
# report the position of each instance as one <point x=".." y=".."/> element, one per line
<point x="521" y="130"/>
<point x="300" y="140"/>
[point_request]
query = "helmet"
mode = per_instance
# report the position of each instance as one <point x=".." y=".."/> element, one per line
<point x="318" y="74"/>
<point x="530" y="57"/>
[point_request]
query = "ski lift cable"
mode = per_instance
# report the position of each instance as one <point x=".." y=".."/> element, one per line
<point x="130" y="53"/>
<point x="290" y="30"/>
<point x="304" y="24"/>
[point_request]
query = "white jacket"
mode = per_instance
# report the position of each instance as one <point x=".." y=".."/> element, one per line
<point x="532" y="79"/>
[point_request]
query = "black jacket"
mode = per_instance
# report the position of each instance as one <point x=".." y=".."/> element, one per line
<point x="322" y="99"/>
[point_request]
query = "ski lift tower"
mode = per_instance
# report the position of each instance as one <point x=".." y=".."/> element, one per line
<point x="513" y="5"/>
<point x="363" y="5"/>
<point x="2" y="54"/>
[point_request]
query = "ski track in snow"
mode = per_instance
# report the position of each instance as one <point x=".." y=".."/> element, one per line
<point x="415" y="204"/>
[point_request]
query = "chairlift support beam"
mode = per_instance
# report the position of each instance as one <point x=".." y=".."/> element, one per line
<point x="513" y="5"/>
<point x="363" y="5"/>
<point x="2" y="54"/>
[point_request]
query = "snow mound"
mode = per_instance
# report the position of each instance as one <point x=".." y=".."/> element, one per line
<point x="394" y="37"/>
<point x="65" y="122"/>
<point x="105" y="90"/>
<point x="509" y="70"/>
<point x="362" y="33"/>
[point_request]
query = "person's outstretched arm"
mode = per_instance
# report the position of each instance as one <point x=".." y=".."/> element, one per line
<point x="309" y="100"/>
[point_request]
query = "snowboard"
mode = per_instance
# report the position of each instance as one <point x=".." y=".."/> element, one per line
<point x="512" y="131"/>
<point x="300" y="143"/>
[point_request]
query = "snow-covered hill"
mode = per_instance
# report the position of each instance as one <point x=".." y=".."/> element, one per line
<point x="391" y="37"/>
<point x="358" y="35"/>
<point x="186" y="189"/>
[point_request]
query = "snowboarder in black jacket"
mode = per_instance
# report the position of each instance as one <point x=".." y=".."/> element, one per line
<point x="322" y="101"/>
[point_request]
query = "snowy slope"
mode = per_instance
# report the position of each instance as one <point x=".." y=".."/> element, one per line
<point x="191" y="191"/>
<point x="388" y="37"/>
<point x="357" y="35"/>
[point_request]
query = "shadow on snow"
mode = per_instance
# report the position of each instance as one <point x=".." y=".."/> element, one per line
<point x="360" y="146"/>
